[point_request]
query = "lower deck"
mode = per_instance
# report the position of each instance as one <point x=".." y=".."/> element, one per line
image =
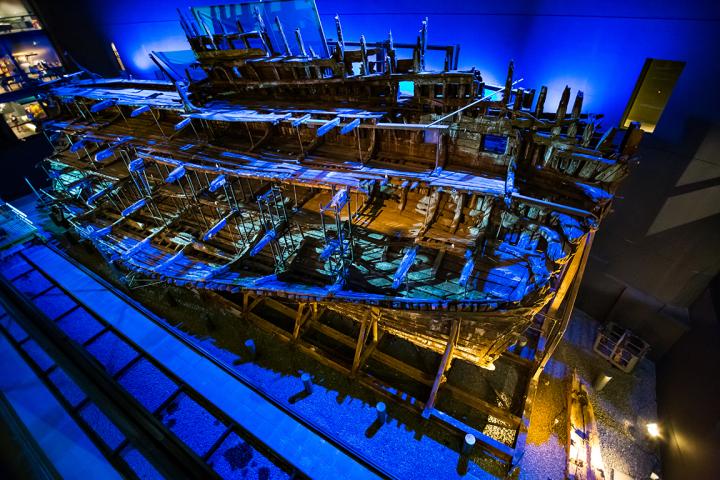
<point x="396" y="245"/>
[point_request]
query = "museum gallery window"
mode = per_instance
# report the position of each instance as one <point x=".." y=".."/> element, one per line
<point x="19" y="116"/>
<point x="27" y="60"/>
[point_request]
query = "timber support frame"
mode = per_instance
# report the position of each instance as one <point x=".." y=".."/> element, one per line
<point x="545" y="335"/>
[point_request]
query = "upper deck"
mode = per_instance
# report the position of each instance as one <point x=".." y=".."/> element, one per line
<point x="341" y="171"/>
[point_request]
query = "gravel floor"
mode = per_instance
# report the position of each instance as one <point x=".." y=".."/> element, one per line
<point x="102" y="425"/>
<point x="80" y="325"/>
<point x="147" y="384"/>
<point x="139" y="464"/>
<point x="622" y="410"/>
<point x="194" y="425"/>
<point x="112" y="352"/>
<point x="54" y="303"/>
<point x="236" y="459"/>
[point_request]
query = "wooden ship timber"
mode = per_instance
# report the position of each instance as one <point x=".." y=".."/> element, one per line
<point x="336" y="173"/>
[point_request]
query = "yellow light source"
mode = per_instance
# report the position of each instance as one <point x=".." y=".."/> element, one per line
<point x="653" y="430"/>
<point x="654" y="476"/>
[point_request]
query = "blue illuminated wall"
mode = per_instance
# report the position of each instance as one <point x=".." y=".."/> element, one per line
<point x="598" y="47"/>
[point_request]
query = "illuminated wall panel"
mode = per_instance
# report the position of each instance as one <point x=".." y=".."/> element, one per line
<point x="652" y="93"/>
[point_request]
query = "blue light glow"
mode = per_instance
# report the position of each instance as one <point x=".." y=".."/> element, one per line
<point x="407" y="88"/>
<point x="579" y="44"/>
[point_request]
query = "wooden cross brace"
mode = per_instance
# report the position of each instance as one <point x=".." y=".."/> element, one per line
<point x="445" y="364"/>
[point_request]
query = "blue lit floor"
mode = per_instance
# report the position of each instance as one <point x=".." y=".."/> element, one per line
<point x="190" y="422"/>
<point x="211" y="437"/>
<point x="65" y="444"/>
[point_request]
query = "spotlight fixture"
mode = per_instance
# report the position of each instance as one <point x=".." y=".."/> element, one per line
<point x="653" y="430"/>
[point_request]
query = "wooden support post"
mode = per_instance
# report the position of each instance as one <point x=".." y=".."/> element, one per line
<point x="367" y="353"/>
<point x="305" y="319"/>
<point x="307" y="382"/>
<point x="422" y="42"/>
<point x="403" y="195"/>
<point x="517" y="104"/>
<point x="269" y="130"/>
<point x="362" y="338"/>
<point x="285" y="43"/>
<point x="245" y="310"/>
<point x="606" y="141"/>
<point x="540" y="105"/>
<point x="577" y="106"/>
<point x="391" y="53"/>
<point x="440" y="152"/>
<point x="458" y="212"/>
<point x="260" y="25"/>
<point x="437" y="263"/>
<point x="364" y="56"/>
<point x="507" y="92"/>
<point x="314" y="311"/>
<point x="562" y="106"/>
<point x="445" y="364"/>
<point x="300" y="42"/>
<point x="375" y="317"/>
<point x="588" y="132"/>
<point x="300" y="318"/>
<point x="340" y="51"/>
<point x="377" y="335"/>
<point x="575" y="115"/>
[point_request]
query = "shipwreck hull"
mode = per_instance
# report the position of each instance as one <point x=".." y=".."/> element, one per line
<point x="481" y="337"/>
<point x="431" y="204"/>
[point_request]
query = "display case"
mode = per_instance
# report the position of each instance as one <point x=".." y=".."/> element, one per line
<point x="28" y="59"/>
